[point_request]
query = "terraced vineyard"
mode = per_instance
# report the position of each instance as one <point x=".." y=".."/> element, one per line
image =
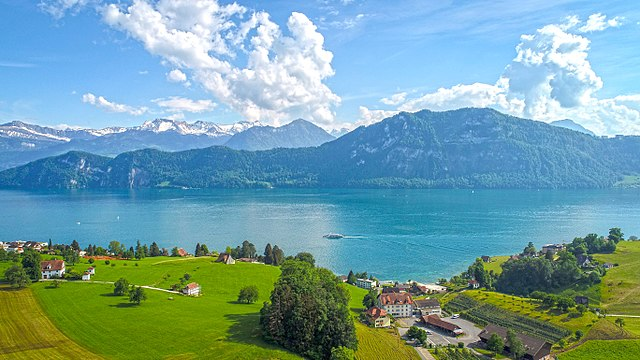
<point x="483" y="314"/>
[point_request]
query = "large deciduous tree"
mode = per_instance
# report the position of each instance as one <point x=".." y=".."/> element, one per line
<point x="31" y="263"/>
<point x="308" y="312"/>
<point x="17" y="276"/>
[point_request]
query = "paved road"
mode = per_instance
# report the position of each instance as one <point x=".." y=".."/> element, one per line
<point x="627" y="316"/>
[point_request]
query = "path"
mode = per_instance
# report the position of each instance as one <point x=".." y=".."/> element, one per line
<point x="627" y="316"/>
<point x="424" y="353"/>
<point x="111" y="282"/>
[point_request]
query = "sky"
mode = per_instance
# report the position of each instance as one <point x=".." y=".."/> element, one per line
<point x="340" y="64"/>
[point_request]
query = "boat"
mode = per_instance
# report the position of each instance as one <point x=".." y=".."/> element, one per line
<point x="333" y="236"/>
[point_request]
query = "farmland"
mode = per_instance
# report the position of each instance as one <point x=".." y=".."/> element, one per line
<point x="496" y="264"/>
<point x="603" y="349"/>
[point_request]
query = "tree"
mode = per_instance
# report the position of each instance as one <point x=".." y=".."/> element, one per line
<point x="516" y="347"/>
<point x="121" y="287"/>
<point x="268" y="254"/>
<point x="530" y="249"/>
<point x="615" y="235"/>
<point x="139" y="252"/>
<point x="175" y="251"/>
<point x="579" y="334"/>
<point x="351" y="278"/>
<point x="495" y="344"/>
<point x="620" y="322"/>
<point x="56" y="283"/>
<point x="248" y="294"/>
<point x="50" y="245"/>
<point x="75" y="246"/>
<point x="305" y="256"/>
<point x="309" y="312"/>
<point x="565" y="302"/>
<point x="31" y="263"/>
<point x="137" y="295"/>
<point x="186" y="276"/>
<point x="116" y="248"/>
<point x="418" y="334"/>
<point x="278" y="256"/>
<point x="198" y="251"/>
<point x="342" y="353"/>
<point x="371" y="299"/>
<point x="17" y="276"/>
<point x="3" y="254"/>
<point x="154" y="250"/>
<point x="204" y="250"/>
<point x="70" y="256"/>
<point x="248" y="250"/>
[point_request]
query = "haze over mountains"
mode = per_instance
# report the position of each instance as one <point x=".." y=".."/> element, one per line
<point x="21" y="143"/>
<point x="466" y="148"/>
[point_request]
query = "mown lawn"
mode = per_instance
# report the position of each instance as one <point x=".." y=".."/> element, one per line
<point x="495" y="264"/>
<point x="374" y="343"/>
<point x="604" y="349"/>
<point x="620" y="288"/>
<point x="211" y="326"/>
<point x="27" y="333"/>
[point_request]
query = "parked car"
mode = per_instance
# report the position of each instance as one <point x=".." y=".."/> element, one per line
<point x="455" y="316"/>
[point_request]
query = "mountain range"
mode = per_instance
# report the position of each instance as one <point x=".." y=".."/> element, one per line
<point x="21" y="143"/>
<point x="465" y="148"/>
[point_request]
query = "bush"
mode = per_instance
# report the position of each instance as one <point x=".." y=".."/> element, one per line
<point x="107" y="262"/>
<point x="91" y="261"/>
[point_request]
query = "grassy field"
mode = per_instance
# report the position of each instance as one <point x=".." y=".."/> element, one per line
<point x="604" y="349"/>
<point x="495" y="264"/>
<point x="620" y="288"/>
<point x="377" y="344"/>
<point x="27" y="333"/>
<point x="533" y="309"/>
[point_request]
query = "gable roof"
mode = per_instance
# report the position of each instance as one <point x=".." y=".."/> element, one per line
<point x="375" y="312"/>
<point x="534" y="347"/>
<point x="192" y="286"/>
<point x="427" y="303"/>
<point x="52" y="265"/>
<point x="395" y="299"/>
<point x="436" y="321"/>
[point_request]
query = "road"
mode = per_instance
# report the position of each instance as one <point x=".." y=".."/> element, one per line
<point x="111" y="282"/>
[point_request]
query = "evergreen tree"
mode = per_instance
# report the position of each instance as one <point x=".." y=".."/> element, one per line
<point x="268" y="254"/>
<point x="197" y="252"/>
<point x="278" y="256"/>
<point x="50" y="245"/>
<point x="139" y="251"/>
<point x="154" y="250"/>
<point x="75" y="246"/>
<point x="351" y="278"/>
<point x="248" y="250"/>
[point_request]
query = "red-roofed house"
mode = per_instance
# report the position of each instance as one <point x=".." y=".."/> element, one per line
<point x="192" y="289"/>
<point x="378" y="317"/>
<point x="435" y="322"/>
<point x="397" y="304"/>
<point x="474" y="284"/>
<point x="182" y="252"/>
<point x="86" y="276"/>
<point x="52" y="269"/>
<point x="91" y="270"/>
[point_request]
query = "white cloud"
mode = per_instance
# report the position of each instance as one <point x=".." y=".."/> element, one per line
<point x="550" y="78"/>
<point x="180" y="104"/>
<point x="284" y="74"/>
<point x="176" y="75"/>
<point x="59" y="8"/>
<point x="395" y="99"/>
<point x="368" y="117"/>
<point x="101" y="102"/>
<point x="599" y="22"/>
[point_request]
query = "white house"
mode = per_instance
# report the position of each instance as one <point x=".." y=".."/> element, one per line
<point x="86" y="276"/>
<point x="397" y="304"/>
<point x="474" y="284"/>
<point x="428" y="306"/>
<point x="52" y="269"/>
<point x="366" y="284"/>
<point x="91" y="270"/>
<point x="192" y="289"/>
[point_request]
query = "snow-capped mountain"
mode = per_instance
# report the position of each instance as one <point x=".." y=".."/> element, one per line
<point x="197" y="128"/>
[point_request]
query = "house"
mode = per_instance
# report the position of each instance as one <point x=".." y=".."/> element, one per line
<point x="192" y="289"/>
<point x="583" y="261"/>
<point x="225" y="259"/>
<point x="434" y="322"/>
<point x="397" y="304"/>
<point x="581" y="300"/>
<point x="52" y="269"/>
<point x="486" y="258"/>
<point x="608" y="265"/>
<point x="33" y="245"/>
<point x="248" y="260"/>
<point x="86" y="276"/>
<point x="553" y="248"/>
<point x="344" y="278"/>
<point x="391" y="289"/>
<point x="428" y="306"/>
<point x="91" y="270"/>
<point x="474" y="284"/>
<point x="378" y="317"/>
<point x="515" y="257"/>
<point x="535" y="349"/>
<point x="366" y="284"/>
<point x="182" y="252"/>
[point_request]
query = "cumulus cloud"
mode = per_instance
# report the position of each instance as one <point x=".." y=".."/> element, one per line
<point x="599" y="22"/>
<point x="394" y="99"/>
<point x="180" y="104"/>
<point x="101" y="102"/>
<point x="550" y="78"/>
<point x="59" y="8"/>
<point x="176" y="76"/>
<point x="285" y="69"/>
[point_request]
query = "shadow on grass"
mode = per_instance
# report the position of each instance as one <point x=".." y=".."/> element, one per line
<point x="124" y="305"/>
<point x="245" y="329"/>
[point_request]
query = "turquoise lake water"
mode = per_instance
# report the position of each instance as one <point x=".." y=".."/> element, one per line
<point x="393" y="234"/>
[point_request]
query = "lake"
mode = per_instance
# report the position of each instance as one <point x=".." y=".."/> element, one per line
<point x="393" y="234"/>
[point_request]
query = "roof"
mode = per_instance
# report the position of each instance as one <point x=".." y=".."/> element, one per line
<point x="90" y="268"/>
<point x="52" y="265"/>
<point x="375" y="312"/>
<point x="556" y="246"/>
<point x="484" y="257"/>
<point x="387" y="289"/>
<point x="473" y="281"/>
<point x="366" y="280"/>
<point x="435" y="320"/>
<point x="182" y="252"/>
<point x="395" y="299"/>
<point x="192" y="286"/>
<point x="427" y="303"/>
<point x="533" y="345"/>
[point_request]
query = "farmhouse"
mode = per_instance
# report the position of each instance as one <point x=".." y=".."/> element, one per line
<point x="378" y="317"/>
<point x="182" y="252"/>
<point x="486" y="258"/>
<point x="397" y="304"/>
<point x="474" y="284"/>
<point x="225" y="259"/>
<point x="552" y="248"/>
<point x="86" y="276"/>
<point x="366" y="284"/>
<point x="583" y="261"/>
<point x="434" y="322"/>
<point x="192" y="289"/>
<point x="52" y="269"/>
<point x="428" y="306"/>
<point x="535" y="349"/>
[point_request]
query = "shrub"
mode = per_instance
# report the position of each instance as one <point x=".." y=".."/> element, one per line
<point x="107" y="262"/>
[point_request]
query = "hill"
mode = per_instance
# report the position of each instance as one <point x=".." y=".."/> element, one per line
<point x="572" y="125"/>
<point x="466" y="148"/>
<point x="296" y="134"/>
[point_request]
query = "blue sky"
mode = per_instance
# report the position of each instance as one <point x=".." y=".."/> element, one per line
<point x="98" y="63"/>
